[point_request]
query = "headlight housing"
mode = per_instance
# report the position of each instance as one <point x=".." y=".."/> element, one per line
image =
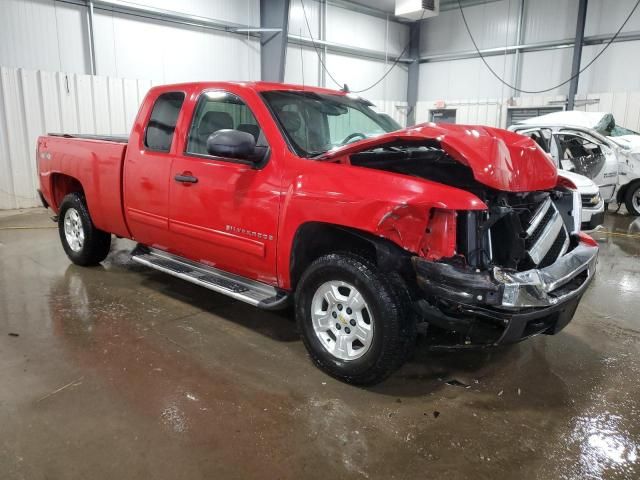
<point x="590" y="201"/>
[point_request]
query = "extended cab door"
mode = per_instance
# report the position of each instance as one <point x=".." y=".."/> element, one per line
<point x="223" y="211"/>
<point x="147" y="166"/>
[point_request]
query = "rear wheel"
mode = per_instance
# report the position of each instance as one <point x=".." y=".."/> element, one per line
<point x="83" y="243"/>
<point x="354" y="319"/>
<point x="632" y="199"/>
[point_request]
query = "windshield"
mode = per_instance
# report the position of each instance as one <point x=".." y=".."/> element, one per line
<point x="315" y="123"/>
<point x="621" y="131"/>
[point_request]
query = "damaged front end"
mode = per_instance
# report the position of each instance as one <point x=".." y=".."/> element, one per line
<point x="519" y="269"/>
<point x="498" y="306"/>
<point x="495" y="275"/>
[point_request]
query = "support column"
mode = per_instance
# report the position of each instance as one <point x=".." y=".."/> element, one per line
<point x="273" y="46"/>
<point x="92" y="48"/>
<point x="517" y="68"/>
<point x="413" y="78"/>
<point x="577" y="53"/>
<point x="322" y="29"/>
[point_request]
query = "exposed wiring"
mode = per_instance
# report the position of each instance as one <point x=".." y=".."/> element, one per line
<point x="475" y="45"/>
<point x="341" y="85"/>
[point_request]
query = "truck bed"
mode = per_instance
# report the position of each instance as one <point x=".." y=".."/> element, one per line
<point x="103" y="138"/>
<point x="97" y="163"/>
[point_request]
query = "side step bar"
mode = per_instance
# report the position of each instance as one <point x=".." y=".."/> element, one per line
<point x="249" y="291"/>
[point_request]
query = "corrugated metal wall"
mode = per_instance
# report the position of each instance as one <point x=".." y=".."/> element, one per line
<point x="494" y="25"/>
<point x="133" y="47"/>
<point x="43" y="34"/>
<point x="625" y="107"/>
<point x="38" y="37"/>
<point x="36" y="102"/>
<point x="355" y="29"/>
<point x="52" y="35"/>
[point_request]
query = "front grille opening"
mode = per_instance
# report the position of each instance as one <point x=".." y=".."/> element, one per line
<point x="512" y="246"/>
<point x="535" y="235"/>
<point x="554" y="251"/>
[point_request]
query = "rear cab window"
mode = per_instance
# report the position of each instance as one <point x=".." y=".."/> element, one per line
<point x="162" y="122"/>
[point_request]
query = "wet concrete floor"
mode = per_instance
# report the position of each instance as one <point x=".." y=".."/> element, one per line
<point x="122" y="372"/>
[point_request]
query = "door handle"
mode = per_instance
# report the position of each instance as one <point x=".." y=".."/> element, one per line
<point x="185" y="177"/>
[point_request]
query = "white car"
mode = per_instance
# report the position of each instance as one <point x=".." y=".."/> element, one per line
<point x="589" y="128"/>
<point x="592" y="203"/>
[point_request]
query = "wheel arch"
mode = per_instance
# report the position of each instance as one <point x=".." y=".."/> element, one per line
<point x="315" y="239"/>
<point x="62" y="185"/>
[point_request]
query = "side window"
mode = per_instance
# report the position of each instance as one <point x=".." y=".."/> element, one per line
<point x="580" y="155"/>
<point x="162" y="122"/>
<point x="219" y="110"/>
<point x="536" y="136"/>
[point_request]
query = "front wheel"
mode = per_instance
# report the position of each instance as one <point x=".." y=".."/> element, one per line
<point x="354" y="319"/>
<point x="632" y="199"/>
<point x="83" y="243"/>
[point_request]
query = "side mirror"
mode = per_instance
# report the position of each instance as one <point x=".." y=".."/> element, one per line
<point x="231" y="144"/>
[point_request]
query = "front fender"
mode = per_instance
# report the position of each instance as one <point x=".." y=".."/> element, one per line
<point x="388" y="205"/>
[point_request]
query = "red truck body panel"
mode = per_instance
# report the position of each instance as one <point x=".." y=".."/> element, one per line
<point x="498" y="158"/>
<point x="97" y="166"/>
<point x="244" y="220"/>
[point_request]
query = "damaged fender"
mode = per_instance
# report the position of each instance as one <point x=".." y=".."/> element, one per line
<point x="403" y="212"/>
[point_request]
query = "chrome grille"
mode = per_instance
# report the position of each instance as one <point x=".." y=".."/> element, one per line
<point x="547" y="237"/>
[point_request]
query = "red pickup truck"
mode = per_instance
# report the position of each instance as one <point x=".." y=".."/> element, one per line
<point x="280" y="194"/>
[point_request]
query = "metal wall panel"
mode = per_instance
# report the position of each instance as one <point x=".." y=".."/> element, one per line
<point x="132" y="47"/>
<point x="245" y="12"/>
<point x="550" y="20"/>
<point x="354" y="29"/>
<point x="302" y="66"/>
<point x="357" y="73"/>
<point x="546" y="69"/>
<point x="493" y="25"/>
<point x="625" y="107"/>
<point x="20" y="187"/>
<point x="36" y="102"/>
<point x="297" y="24"/>
<point x="606" y="16"/>
<point x="464" y="79"/>
<point x="43" y="34"/>
<point x="544" y="20"/>
<point x="360" y="73"/>
<point x="616" y="70"/>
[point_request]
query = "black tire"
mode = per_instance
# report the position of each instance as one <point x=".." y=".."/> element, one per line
<point x="96" y="244"/>
<point x="633" y="191"/>
<point x="394" y="327"/>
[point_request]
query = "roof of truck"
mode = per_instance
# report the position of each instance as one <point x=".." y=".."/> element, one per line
<point x="257" y="86"/>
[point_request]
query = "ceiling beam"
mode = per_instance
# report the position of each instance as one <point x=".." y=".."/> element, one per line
<point x="346" y="49"/>
<point x="530" y="47"/>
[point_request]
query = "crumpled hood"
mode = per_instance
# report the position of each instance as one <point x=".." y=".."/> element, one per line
<point x="499" y="159"/>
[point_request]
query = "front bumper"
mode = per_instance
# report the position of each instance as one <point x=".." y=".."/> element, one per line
<point x="516" y="304"/>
